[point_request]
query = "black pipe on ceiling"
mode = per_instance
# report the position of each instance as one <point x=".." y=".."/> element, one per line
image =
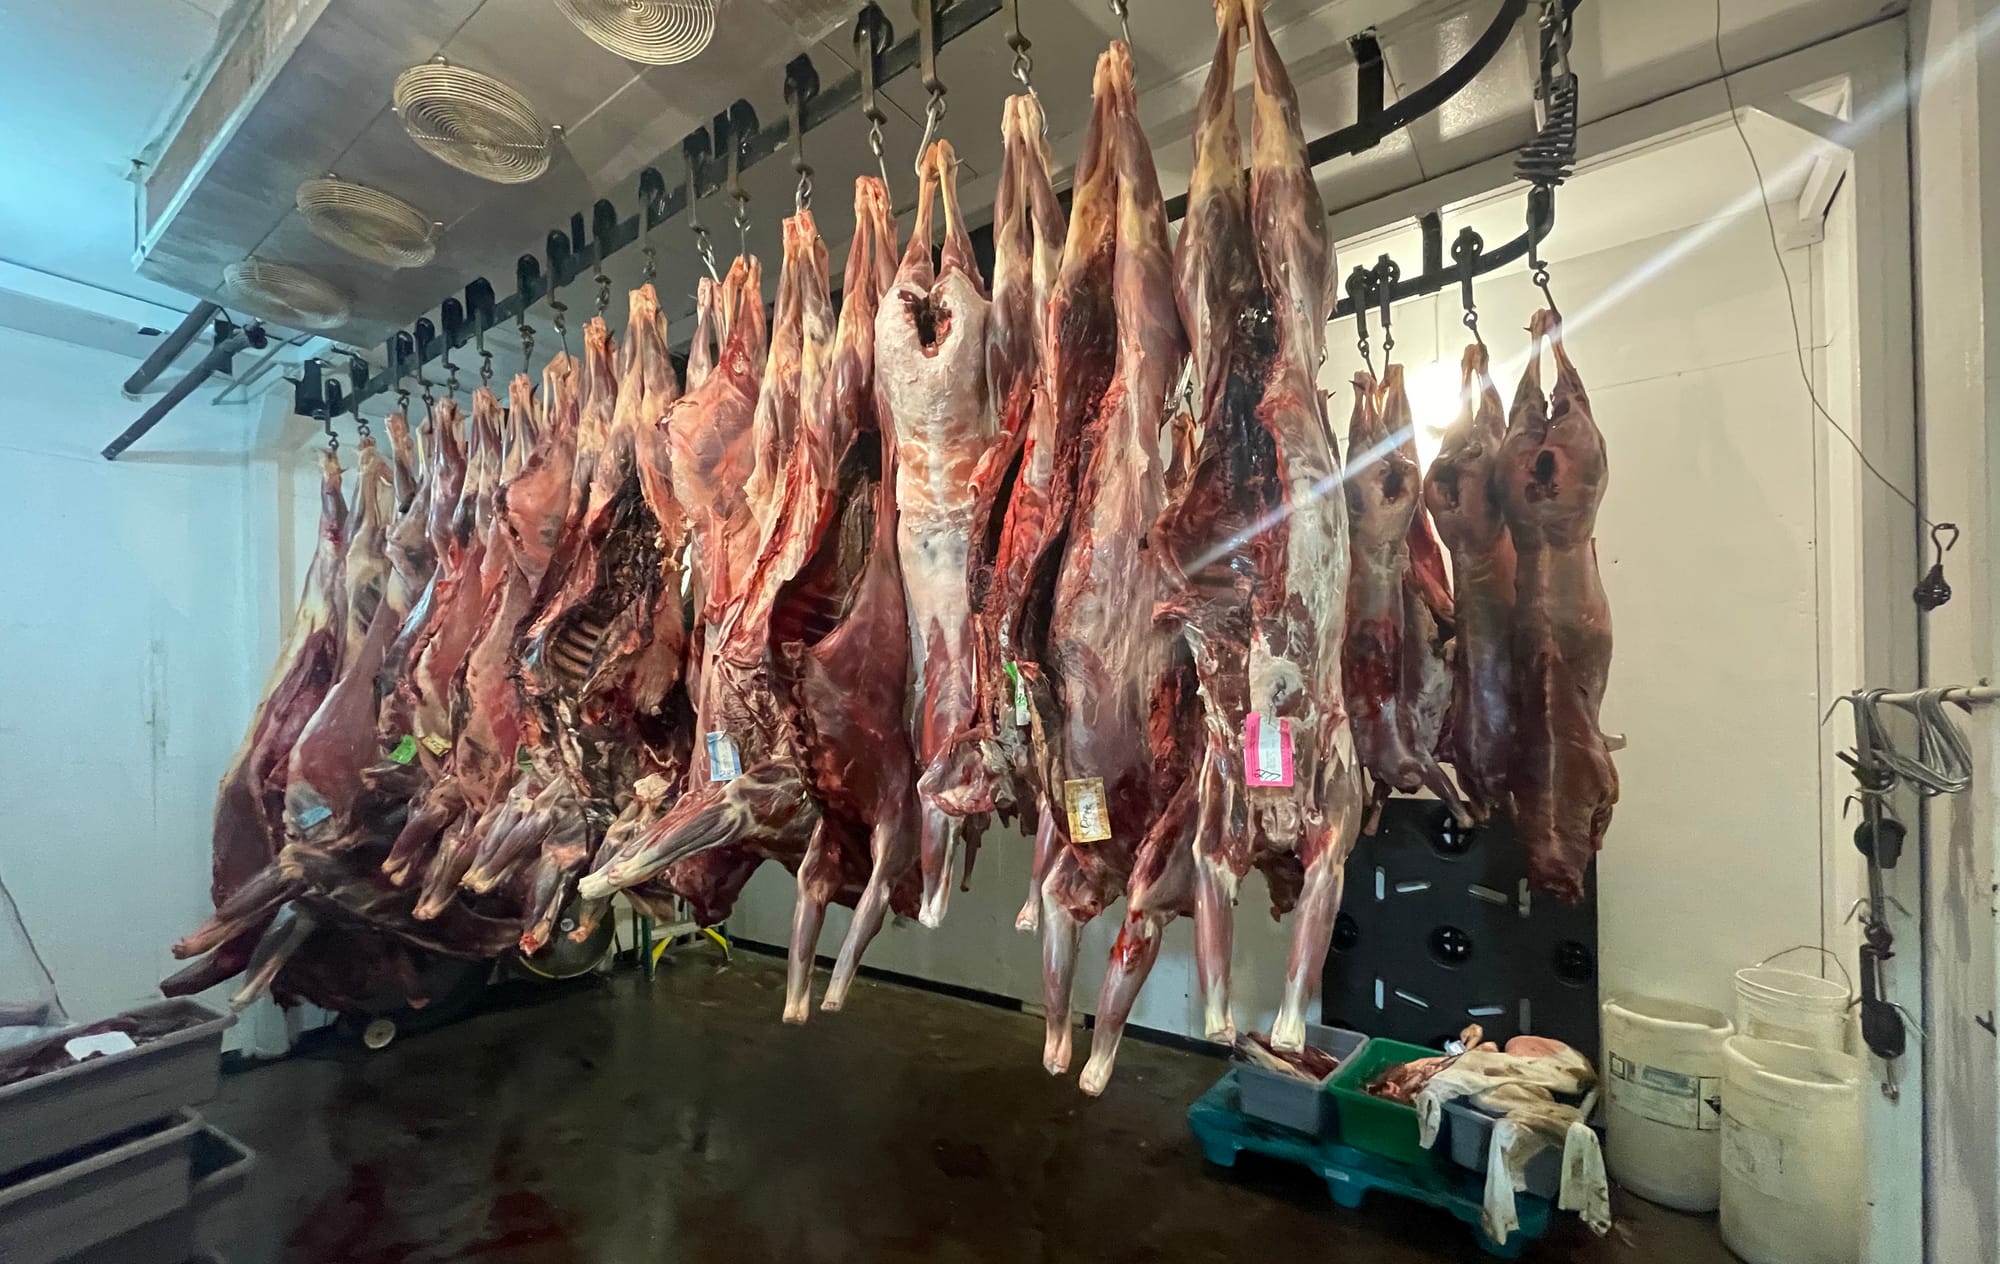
<point x="171" y="346"/>
<point x="214" y="362"/>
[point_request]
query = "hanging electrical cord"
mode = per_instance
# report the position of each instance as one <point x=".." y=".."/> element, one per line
<point x="1791" y="304"/>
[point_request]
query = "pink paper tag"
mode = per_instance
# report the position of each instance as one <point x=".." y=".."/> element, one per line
<point x="1267" y="751"/>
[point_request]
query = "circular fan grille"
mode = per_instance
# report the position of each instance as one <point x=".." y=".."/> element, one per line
<point x="367" y="222"/>
<point x="287" y="295"/>
<point x="473" y="121"/>
<point x="658" y="32"/>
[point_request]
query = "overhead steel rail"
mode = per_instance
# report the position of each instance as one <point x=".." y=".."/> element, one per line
<point x="715" y="157"/>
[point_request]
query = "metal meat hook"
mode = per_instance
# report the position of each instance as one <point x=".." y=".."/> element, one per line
<point x="1465" y="251"/>
<point x="873" y="26"/>
<point x="927" y="50"/>
<point x="1360" y="288"/>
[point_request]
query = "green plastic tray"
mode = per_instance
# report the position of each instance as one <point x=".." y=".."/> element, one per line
<point x="1370" y="1123"/>
<point x="1224" y="1132"/>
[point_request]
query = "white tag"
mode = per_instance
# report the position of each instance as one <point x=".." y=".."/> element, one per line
<point x="1267" y="750"/>
<point x="1664" y="1096"/>
<point x="724" y="763"/>
<point x="1020" y="696"/>
<point x="103" y="1042"/>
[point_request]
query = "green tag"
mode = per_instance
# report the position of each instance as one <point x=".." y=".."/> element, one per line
<point x="521" y="760"/>
<point x="1013" y="671"/>
<point x="406" y="750"/>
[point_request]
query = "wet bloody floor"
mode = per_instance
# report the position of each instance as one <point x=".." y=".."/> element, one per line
<point x="623" y="1122"/>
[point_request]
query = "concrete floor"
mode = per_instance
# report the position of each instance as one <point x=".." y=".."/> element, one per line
<point x="618" y="1121"/>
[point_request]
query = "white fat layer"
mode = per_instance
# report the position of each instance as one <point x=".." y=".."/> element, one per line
<point x="943" y="422"/>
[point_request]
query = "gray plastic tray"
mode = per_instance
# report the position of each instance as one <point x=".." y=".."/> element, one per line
<point x="1291" y="1102"/>
<point x="87" y="1101"/>
<point x="221" y="1169"/>
<point x="1470" y="1135"/>
<point x="68" y="1210"/>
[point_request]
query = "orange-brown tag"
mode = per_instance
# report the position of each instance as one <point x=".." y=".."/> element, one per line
<point x="1089" y="814"/>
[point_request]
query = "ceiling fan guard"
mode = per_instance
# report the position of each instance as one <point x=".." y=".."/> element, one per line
<point x="656" y="32"/>
<point x="474" y="122"/>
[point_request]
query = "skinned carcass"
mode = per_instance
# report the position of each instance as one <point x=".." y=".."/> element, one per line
<point x="250" y="803"/>
<point x="1113" y="688"/>
<point x="407" y="540"/>
<point x="1014" y="515"/>
<point x="325" y="777"/>
<point x="488" y="707"/>
<point x="799" y="695"/>
<point x="1551" y="477"/>
<point x="1382" y="655"/>
<point x="1258" y="546"/>
<point x="440" y="633"/>
<point x="604" y="656"/>
<point x="745" y="788"/>
<point x="930" y="347"/>
<point x="1462" y="494"/>
<point x="836" y="632"/>
<point x="707" y="335"/>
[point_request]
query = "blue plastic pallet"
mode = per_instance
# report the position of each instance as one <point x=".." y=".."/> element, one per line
<point x="1224" y="1132"/>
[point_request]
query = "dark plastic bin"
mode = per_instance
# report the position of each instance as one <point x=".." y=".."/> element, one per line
<point x="1291" y="1102"/>
<point x="220" y="1170"/>
<point x="87" y="1101"/>
<point x="68" y="1208"/>
<point x="1469" y="1133"/>
<point x="1372" y="1123"/>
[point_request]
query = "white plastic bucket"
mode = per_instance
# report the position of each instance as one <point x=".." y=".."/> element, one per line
<point x="1662" y="1115"/>
<point x="1791" y="1153"/>
<point x="1795" y="1008"/>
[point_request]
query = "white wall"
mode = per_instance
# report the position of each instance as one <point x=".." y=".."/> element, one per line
<point x="136" y="599"/>
<point x="1706" y="545"/>
<point x="1957" y="179"/>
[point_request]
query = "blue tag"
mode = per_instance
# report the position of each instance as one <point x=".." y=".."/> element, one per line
<point x="724" y="763"/>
